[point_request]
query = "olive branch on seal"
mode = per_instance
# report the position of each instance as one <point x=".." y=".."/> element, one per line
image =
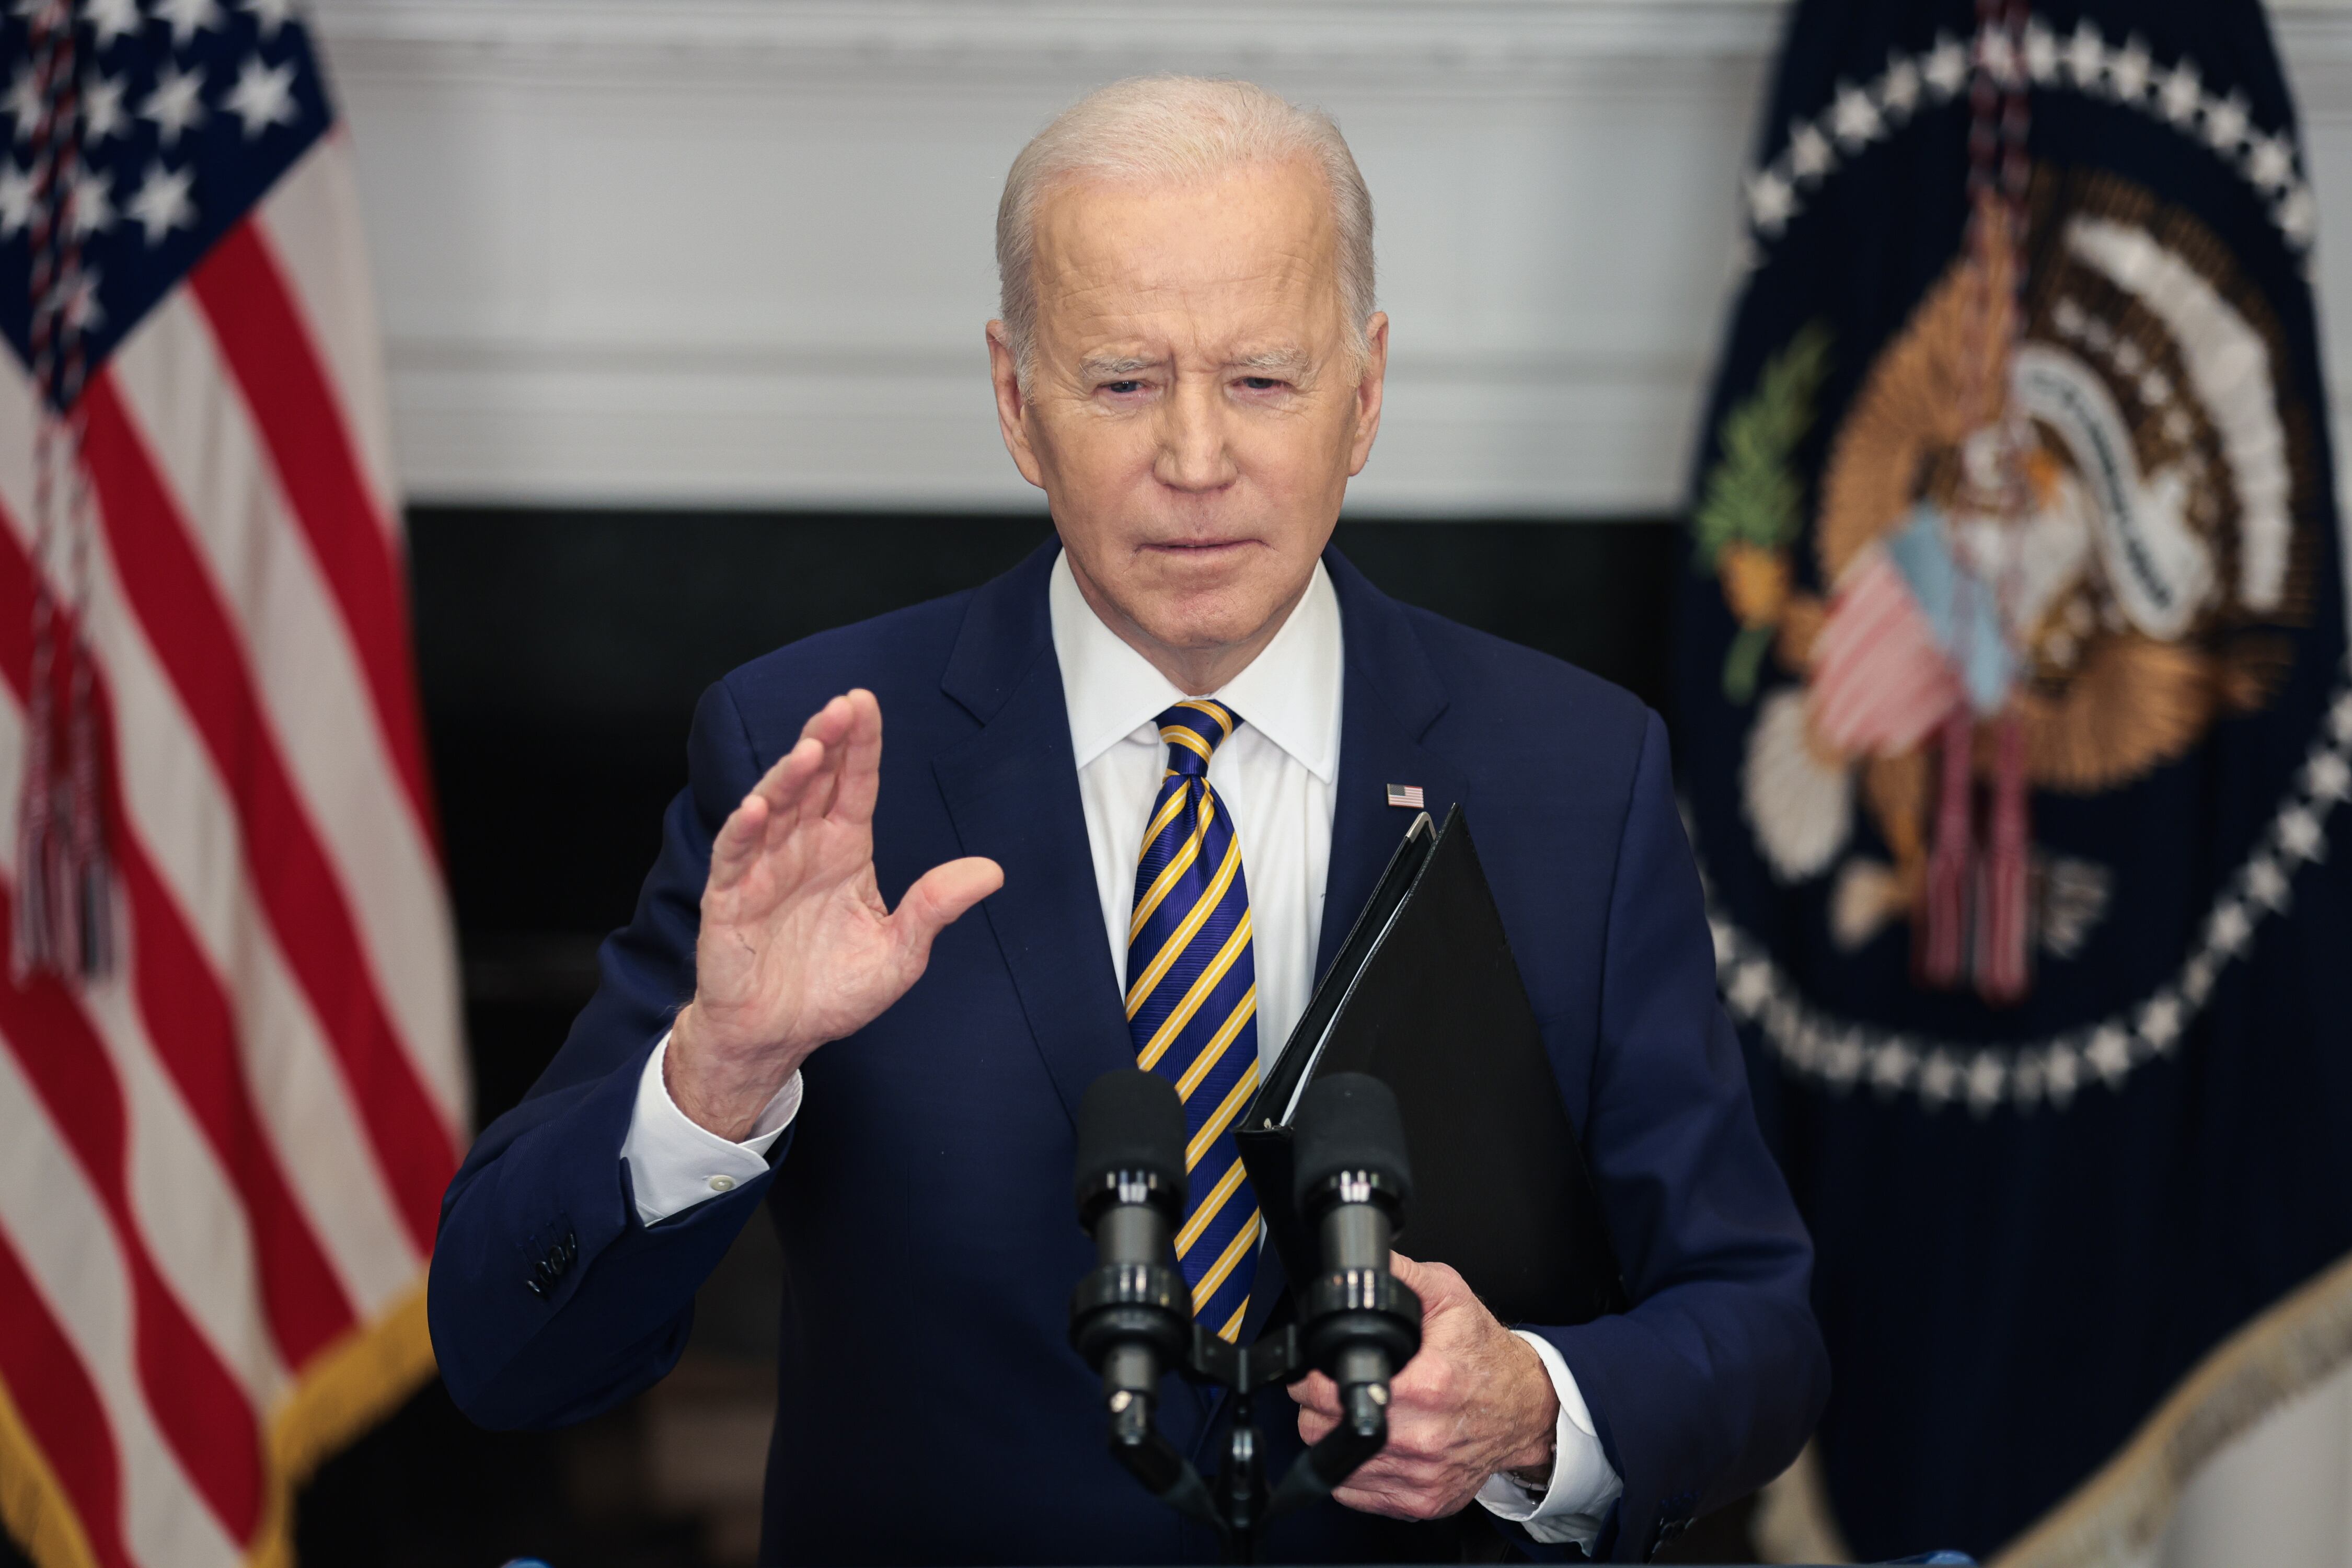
<point x="1749" y="515"/>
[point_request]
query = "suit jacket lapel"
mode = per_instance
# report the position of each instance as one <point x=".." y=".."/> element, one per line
<point x="1388" y="697"/>
<point x="1012" y="792"/>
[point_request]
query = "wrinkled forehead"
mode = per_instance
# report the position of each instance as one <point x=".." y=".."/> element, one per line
<point x="1257" y="241"/>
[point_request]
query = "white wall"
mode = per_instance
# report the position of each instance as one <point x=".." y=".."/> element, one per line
<point x="737" y="250"/>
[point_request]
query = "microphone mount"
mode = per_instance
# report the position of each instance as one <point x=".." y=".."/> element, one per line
<point x="1131" y="1318"/>
<point x="1361" y="1326"/>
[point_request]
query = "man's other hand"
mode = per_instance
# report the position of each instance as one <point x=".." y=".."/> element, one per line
<point x="1476" y="1401"/>
<point x="797" y="946"/>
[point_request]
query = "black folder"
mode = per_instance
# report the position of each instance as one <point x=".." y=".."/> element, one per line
<point x="1425" y="996"/>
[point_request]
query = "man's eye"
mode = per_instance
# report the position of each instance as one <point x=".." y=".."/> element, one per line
<point x="1123" y="387"/>
<point x="1261" y="383"/>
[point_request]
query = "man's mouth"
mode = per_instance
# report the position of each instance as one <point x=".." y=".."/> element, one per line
<point x="1200" y="549"/>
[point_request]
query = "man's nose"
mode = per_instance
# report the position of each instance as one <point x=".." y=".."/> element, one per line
<point x="1193" y="455"/>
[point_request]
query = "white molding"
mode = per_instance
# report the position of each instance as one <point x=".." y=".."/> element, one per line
<point x="1455" y="35"/>
<point x="1462" y="36"/>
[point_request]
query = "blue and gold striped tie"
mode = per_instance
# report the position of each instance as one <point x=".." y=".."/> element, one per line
<point x="1191" y="1002"/>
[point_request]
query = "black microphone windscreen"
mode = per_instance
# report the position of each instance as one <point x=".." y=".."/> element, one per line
<point x="1348" y="1121"/>
<point x="1130" y="1121"/>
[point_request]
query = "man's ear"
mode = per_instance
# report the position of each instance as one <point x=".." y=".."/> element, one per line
<point x="1370" y="387"/>
<point x="1012" y="406"/>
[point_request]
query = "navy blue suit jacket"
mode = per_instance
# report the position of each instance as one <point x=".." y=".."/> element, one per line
<point x="931" y="1409"/>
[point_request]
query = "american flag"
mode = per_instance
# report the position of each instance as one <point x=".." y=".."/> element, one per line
<point x="231" y="1088"/>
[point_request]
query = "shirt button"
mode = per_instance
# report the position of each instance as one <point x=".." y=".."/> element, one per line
<point x="722" y="1184"/>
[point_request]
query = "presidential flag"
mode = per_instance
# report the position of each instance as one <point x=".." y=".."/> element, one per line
<point x="2015" y="728"/>
<point x="231" y="1088"/>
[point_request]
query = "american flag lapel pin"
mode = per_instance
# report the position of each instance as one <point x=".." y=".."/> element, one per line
<point x="1406" y="795"/>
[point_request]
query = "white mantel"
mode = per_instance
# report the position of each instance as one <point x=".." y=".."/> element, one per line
<point x="738" y="251"/>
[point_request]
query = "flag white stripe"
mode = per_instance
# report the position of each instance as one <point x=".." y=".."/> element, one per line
<point x="58" y="1226"/>
<point x="306" y="673"/>
<point x="312" y="218"/>
<point x="180" y="813"/>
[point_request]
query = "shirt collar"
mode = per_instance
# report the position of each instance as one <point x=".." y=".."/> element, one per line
<point x="1289" y="693"/>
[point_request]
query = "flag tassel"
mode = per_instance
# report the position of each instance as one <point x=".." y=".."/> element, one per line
<point x="1941" y="951"/>
<point x="2002" y="906"/>
<point x="64" y="922"/>
<point x="35" y="945"/>
<point x="92" y="955"/>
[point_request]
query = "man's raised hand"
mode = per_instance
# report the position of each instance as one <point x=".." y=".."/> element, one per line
<point x="797" y="946"/>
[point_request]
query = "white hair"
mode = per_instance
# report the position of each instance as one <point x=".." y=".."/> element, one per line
<point x="1171" y="130"/>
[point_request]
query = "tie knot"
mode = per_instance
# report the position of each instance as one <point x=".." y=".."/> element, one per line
<point x="1193" y="729"/>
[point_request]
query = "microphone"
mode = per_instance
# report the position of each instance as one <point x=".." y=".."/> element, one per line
<point x="1352" y="1178"/>
<point x="1132" y="1316"/>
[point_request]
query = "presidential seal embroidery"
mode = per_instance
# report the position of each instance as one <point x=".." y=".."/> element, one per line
<point x="1998" y="565"/>
<point x="2125" y="606"/>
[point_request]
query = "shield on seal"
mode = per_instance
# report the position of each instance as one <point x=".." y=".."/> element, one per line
<point x="2014" y="724"/>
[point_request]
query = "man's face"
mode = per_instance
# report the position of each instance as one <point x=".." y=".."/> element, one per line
<point x="1194" y="411"/>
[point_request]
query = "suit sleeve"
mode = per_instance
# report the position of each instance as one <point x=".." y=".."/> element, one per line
<point x="550" y="1300"/>
<point x="1710" y="1384"/>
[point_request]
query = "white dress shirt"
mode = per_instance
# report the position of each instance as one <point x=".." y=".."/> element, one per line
<point x="1278" y="775"/>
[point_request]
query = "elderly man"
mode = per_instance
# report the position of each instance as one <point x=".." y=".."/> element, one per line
<point x="806" y="1011"/>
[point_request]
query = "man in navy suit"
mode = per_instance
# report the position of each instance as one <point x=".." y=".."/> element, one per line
<point x="1155" y="760"/>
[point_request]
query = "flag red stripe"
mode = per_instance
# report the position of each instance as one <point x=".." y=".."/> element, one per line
<point x="60" y="1409"/>
<point x="189" y="1021"/>
<point x="202" y="1413"/>
<point x="263" y="342"/>
<point x="196" y="640"/>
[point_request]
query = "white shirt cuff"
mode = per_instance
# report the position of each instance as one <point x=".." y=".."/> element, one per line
<point x="1583" y="1486"/>
<point x="675" y="1163"/>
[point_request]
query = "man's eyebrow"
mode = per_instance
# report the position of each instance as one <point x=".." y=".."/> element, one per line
<point x="1293" y="362"/>
<point x="1099" y="365"/>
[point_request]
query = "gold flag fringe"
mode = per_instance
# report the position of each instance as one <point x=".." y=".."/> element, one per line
<point x="347" y="1388"/>
<point x="2115" y="1515"/>
<point x="1794" y="1519"/>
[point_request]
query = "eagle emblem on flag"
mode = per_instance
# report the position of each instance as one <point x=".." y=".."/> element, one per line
<point x="2111" y="599"/>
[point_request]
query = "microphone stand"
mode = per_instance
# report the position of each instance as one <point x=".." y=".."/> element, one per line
<point x="1361" y="1323"/>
